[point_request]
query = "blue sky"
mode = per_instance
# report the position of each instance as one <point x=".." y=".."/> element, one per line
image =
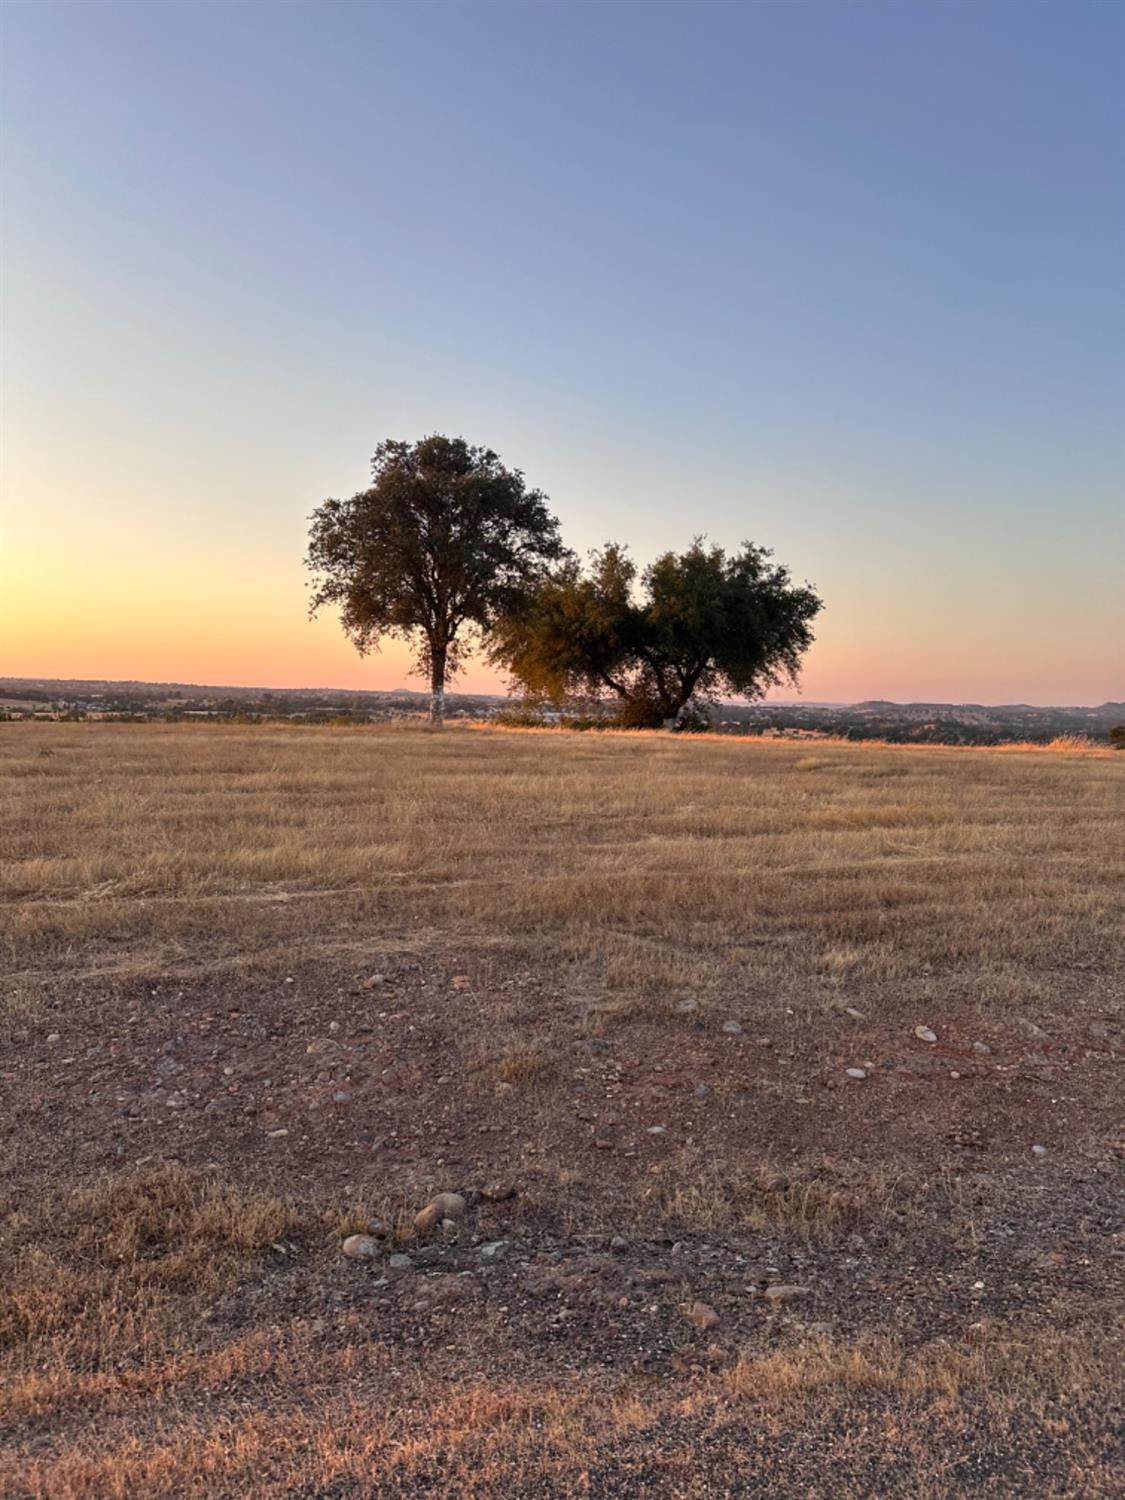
<point x="845" y="279"/>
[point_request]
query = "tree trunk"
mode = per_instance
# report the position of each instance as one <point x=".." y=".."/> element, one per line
<point x="437" y="689"/>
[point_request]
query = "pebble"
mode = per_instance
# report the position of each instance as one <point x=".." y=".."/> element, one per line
<point x="685" y="1007"/>
<point x="1039" y="1151"/>
<point x="856" y="1015"/>
<point x="427" y="1218"/>
<point x="982" y="1049"/>
<point x="400" y="1263"/>
<point x="856" y="1072"/>
<point x="783" y="1293"/>
<point x="449" y="1205"/>
<point x="54" y="1037"/>
<point x="702" y="1315"/>
<point x="498" y="1192"/>
<point x="925" y="1034"/>
<point x="495" y="1250"/>
<point x="733" y="1028"/>
<point x="360" y="1247"/>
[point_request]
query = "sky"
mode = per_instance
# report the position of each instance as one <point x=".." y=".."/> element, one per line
<point x="844" y="279"/>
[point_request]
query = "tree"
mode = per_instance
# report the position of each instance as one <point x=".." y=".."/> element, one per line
<point x="446" y="538"/>
<point x="705" y="624"/>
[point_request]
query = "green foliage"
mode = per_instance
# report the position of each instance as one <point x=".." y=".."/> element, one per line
<point x="705" y="624"/>
<point x="445" y="539"/>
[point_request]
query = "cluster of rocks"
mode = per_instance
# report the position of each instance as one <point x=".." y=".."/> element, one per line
<point x="443" y="1212"/>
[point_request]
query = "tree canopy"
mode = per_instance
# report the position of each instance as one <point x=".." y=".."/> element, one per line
<point x="445" y="540"/>
<point x="702" y="624"/>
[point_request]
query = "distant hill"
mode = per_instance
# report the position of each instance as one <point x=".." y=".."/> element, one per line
<point x="939" y="723"/>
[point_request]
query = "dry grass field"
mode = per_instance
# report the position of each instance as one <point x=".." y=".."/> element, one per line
<point x="266" y="987"/>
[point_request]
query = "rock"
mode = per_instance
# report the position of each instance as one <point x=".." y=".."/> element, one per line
<point x="322" y="1045"/>
<point x="360" y="1247"/>
<point x="374" y="981"/>
<point x="703" y="1091"/>
<point x="856" y="1015"/>
<point x="782" y="1293"/>
<point x="495" y="1250"/>
<point x="54" y="1037"/>
<point x="380" y="1230"/>
<point x="1029" y="1029"/>
<point x="924" y="1034"/>
<point x="982" y="1049"/>
<point x="1039" y="1151"/>
<point x="427" y="1218"/>
<point x="498" y="1192"/>
<point x="733" y="1028"/>
<point x="856" y="1072"/>
<point x="619" y="1243"/>
<point x="656" y="1130"/>
<point x="702" y="1315"/>
<point x="686" y="1007"/>
<point x="449" y="1205"/>
<point x="400" y="1264"/>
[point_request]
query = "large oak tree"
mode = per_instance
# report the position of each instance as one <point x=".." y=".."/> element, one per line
<point x="444" y="541"/>
<point x="702" y="624"/>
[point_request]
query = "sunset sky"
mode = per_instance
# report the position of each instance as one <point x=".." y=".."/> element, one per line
<point x="844" y="279"/>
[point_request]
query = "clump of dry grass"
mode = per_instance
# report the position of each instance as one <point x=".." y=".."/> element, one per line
<point x="124" y="1264"/>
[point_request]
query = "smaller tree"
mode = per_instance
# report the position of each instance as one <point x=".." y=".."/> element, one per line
<point x="705" y="624"/>
<point x="446" y="539"/>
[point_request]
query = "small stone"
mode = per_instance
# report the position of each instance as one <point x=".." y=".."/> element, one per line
<point x="333" y="1026"/>
<point x="380" y="1230"/>
<point x="924" y="1034"/>
<point x="400" y="1263"/>
<point x="374" y="981"/>
<point x="495" y="1250"/>
<point x="449" y="1205"/>
<point x="498" y="1192"/>
<point x="427" y="1218"/>
<point x="856" y="1015"/>
<point x="782" y="1293"/>
<point x="982" y="1049"/>
<point x="619" y="1243"/>
<point x="702" y="1315"/>
<point x="687" y="1006"/>
<point x="1029" y="1029"/>
<point x="656" y="1129"/>
<point x="54" y="1037"/>
<point x="856" y="1072"/>
<point x="732" y="1028"/>
<point x="703" y="1091"/>
<point x="360" y="1247"/>
<point x="1039" y="1151"/>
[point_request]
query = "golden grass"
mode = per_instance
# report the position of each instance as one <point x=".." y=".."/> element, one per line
<point x="906" y="1412"/>
<point x="652" y="863"/>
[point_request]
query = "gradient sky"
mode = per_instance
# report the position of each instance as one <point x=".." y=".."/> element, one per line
<point x="844" y="278"/>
